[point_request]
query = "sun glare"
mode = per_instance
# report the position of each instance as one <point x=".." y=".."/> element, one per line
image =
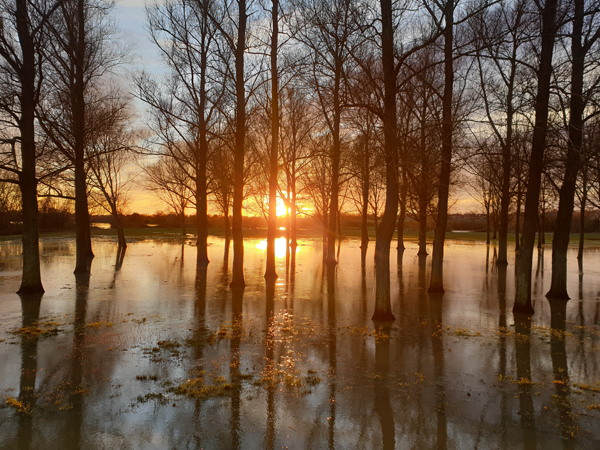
<point x="281" y="208"/>
<point x="280" y="247"/>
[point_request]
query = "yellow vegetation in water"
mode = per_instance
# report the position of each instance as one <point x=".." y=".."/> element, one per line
<point x="466" y="332"/>
<point x="99" y="324"/>
<point x="196" y="388"/>
<point x="21" y="407"/>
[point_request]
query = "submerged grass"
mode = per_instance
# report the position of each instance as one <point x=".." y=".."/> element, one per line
<point x="22" y="407"/>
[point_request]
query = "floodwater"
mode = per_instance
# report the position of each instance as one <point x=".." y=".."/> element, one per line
<point x="148" y="353"/>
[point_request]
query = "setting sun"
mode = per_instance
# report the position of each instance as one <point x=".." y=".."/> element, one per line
<point x="281" y="208"/>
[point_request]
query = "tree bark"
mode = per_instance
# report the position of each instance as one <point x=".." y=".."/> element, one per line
<point x="536" y="162"/>
<point x="506" y="170"/>
<point x="31" y="282"/>
<point x="401" y="217"/>
<point x="437" y="260"/>
<point x="364" y="243"/>
<point x="582" y="217"/>
<point x="385" y="232"/>
<point x="272" y="231"/>
<point x="335" y="163"/>
<point x="201" y="179"/>
<point x="566" y="204"/>
<point x="293" y="218"/>
<point x="78" y="111"/>
<point x="237" y="279"/>
<point x="518" y="220"/>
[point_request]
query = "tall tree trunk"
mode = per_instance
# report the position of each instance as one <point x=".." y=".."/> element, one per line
<point x="119" y="224"/>
<point x="536" y="162"/>
<point x="293" y="218"/>
<point x="270" y="270"/>
<point x="506" y="172"/>
<point x="385" y="232"/>
<point x="237" y="279"/>
<point x="566" y="204"/>
<point x="325" y="236"/>
<point x="364" y="229"/>
<point x="487" y="225"/>
<point x="518" y="220"/>
<point x="78" y="110"/>
<point x="423" y="199"/>
<point x="582" y="216"/>
<point x="540" y="232"/>
<point x="31" y="282"/>
<point x="335" y="169"/>
<point x="422" y="227"/>
<point x="226" y="225"/>
<point x="402" y="216"/>
<point x="437" y="260"/>
<point x="201" y="179"/>
<point x="364" y="243"/>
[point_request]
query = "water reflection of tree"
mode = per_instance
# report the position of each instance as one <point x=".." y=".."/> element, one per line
<point x="201" y="330"/>
<point x="437" y="344"/>
<point x="237" y="297"/>
<point x="560" y="369"/>
<point x="30" y="307"/>
<point x="332" y="339"/>
<point x="82" y="284"/>
<point x="502" y="353"/>
<point x="270" y="363"/>
<point x="523" y="356"/>
<point x="383" y="406"/>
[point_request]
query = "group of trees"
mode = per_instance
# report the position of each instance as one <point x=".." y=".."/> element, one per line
<point x="65" y="121"/>
<point x="385" y="108"/>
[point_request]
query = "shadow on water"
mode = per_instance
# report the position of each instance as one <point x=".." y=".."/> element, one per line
<point x="270" y="435"/>
<point x="560" y="370"/>
<point x="502" y="350"/>
<point x="30" y="307"/>
<point x="383" y="405"/>
<point x="437" y="345"/>
<point x="523" y="357"/>
<point x="237" y="327"/>
<point x="332" y="342"/>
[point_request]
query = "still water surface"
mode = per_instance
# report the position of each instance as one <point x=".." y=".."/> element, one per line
<point x="149" y="353"/>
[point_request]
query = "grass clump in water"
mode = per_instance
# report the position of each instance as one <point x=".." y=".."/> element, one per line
<point x="36" y="329"/>
<point x="99" y="324"/>
<point x="146" y="377"/>
<point x="152" y="397"/>
<point x="21" y="406"/>
<point x="171" y="346"/>
<point x="196" y="387"/>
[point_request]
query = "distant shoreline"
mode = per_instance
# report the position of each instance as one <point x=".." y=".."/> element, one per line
<point x="591" y="239"/>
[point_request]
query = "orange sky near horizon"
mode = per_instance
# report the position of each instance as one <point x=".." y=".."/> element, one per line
<point x="144" y="202"/>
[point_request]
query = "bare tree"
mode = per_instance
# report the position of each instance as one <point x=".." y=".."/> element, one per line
<point x="184" y="105"/>
<point x="22" y="38"/>
<point x="549" y="26"/>
<point x="326" y="29"/>
<point x="82" y="50"/>
<point x="585" y="32"/>
<point x="110" y="163"/>
<point x="170" y="183"/>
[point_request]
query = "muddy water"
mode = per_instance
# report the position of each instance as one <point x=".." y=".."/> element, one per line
<point x="149" y="353"/>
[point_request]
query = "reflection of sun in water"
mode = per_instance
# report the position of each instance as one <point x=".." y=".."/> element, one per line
<point x="280" y="247"/>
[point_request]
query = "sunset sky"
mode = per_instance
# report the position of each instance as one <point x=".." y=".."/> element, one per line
<point x="131" y="19"/>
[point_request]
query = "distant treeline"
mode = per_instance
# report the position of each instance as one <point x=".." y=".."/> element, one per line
<point x="55" y="217"/>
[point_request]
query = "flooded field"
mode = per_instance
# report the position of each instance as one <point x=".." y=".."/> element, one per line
<point x="149" y="353"/>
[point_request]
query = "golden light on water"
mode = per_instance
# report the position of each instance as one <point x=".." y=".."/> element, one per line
<point x="280" y="246"/>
